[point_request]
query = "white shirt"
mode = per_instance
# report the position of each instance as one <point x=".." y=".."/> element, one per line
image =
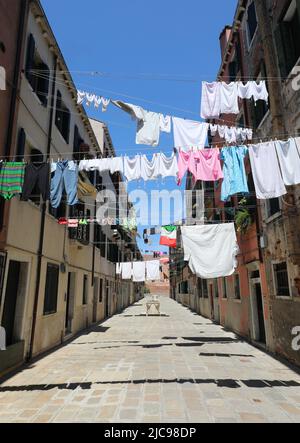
<point x="168" y="166"/>
<point x="153" y="270"/>
<point x="229" y="98"/>
<point x="150" y="168"/>
<point x="266" y="172"/>
<point x="289" y="161"/>
<point x="211" y="100"/>
<point x="211" y="250"/>
<point x="139" y="271"/>
<point x="132" y="168"/>
<point x="189" y="134"/>
<point x="126" y="271"/>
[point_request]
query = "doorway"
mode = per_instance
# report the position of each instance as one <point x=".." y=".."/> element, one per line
<point x="107" y="299"/>
<point x="95" y="299"/>
<point x="260" y="313"/>
<point x="70" y="302"/>
<point x="14" y="303"/>
<point x="257" y="309"/>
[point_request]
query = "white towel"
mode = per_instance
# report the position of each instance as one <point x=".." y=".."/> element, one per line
<point x="126" y="271"/>
<point x="116" y="165"/>
<point x="153" y="270"/>
<point x="289" y="161"/>
<point x="211" y="100"/>
<point x="211" y="250"/>
<point x="189" y="134"/>
<point x="266" y="172"/>
<point x="229" y="98"/>
<point x="139" y="271"/>
<point x="119" y="268"/>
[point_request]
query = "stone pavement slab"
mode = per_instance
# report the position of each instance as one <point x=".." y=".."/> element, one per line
<point x="179" y="368"/>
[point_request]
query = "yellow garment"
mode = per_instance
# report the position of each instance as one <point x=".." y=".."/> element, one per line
<point x="86" y="189"/>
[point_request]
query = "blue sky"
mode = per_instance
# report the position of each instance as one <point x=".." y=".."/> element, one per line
<point x="151" y="53"/>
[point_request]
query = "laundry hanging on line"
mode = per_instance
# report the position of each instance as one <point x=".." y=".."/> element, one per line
<point x="221" y="98"/>
<point x="231" y="134"/>
<point x="189" y="134"/>
<point x="149" y="124"/>
<point x="204" y="165"/>
<point x="135" y="168"/>
<point x="211" y="250"/>
<point x="92" y="99"/>
<point x="235" y="178"/>
<point x="139" y="272"/>
<point x="12" y="176"/>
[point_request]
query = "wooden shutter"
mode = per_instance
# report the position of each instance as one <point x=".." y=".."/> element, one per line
<point x="30" y="57"/>
<point x="51" y="289"/>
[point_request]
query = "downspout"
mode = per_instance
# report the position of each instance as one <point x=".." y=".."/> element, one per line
<point x="43" y="221"/>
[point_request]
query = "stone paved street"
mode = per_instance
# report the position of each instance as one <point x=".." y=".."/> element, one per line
<point x="176" y="368"/>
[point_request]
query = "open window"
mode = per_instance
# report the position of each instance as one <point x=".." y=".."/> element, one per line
<point x="37" y="72"/>
<point x="62" y="118"/>
<point x="287" y="37"/>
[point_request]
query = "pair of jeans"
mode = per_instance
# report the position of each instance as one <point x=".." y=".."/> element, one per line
<point x="64" y="177"/>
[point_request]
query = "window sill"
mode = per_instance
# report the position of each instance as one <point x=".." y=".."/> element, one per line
<point x="273" y="217"/>
<point x="237" y="300"/>
<point x="281" y="297"/>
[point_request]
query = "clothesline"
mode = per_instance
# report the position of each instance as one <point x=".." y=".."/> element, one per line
<point x="140" y="99"/>
<point x="272" y="138"/>
<point x="160" y="76"/>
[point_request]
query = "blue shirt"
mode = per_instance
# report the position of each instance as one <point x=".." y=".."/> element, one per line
<point x="235" y="178"/>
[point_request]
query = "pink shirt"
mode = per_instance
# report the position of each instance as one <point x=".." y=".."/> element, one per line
<point x="185" y="163"/>
<point x="208" y="165"/>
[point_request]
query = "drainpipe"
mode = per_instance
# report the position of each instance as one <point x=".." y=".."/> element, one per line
<point x="42" y="228"/>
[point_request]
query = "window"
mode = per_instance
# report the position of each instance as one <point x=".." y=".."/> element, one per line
<point x="62" y="118"/>
<point x="251" y="22"/>
<point x="282" y="280"/>
<point x="36" y="157"/>
<point x="237" y="287"/>
<point x="184" y="287"/>
<point x="51" y="289"/>
<point x="101" y="291"/>
<point x="76" y="145"/>
<point x="204" y="289"/>
<point x="273" y="207"/>
<point x="216" y="288"/>
<point x="287" y="36"/>
<point x="37" y="72"/>
<point x="85" y="290"/>
<point x="224" y="288"/>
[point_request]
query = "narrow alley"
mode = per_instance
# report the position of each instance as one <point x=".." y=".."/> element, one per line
<point x="177" y="368"/>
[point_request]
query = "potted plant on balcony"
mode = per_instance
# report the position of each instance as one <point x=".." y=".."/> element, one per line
<point x="243" y="219"/>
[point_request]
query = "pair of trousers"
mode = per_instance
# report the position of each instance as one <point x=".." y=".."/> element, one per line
<point x="64" y="177"/>
<point x="37" y="178"/>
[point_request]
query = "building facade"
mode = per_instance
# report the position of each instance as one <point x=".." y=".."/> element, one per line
<point x="261" y="301"/>
<point x="57" y="281"/>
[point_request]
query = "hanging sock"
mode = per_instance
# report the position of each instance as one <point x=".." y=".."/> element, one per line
<point x="73" y="223"/>
<point x="211" y="100"/>
<point x="211" y="250"/>
<point x="266" y="172"/>
<point x="189" y="134"/>
<point x="62" y="221"/>
<point x="289" y="161"/>
<point x="80" y="97"/>
<point x="235" y="178"/>
<point x="11" y="179"/>
<point x="165" y="123"/>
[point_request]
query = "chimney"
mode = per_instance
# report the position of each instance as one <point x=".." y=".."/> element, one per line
<point x="224" y="38"/>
